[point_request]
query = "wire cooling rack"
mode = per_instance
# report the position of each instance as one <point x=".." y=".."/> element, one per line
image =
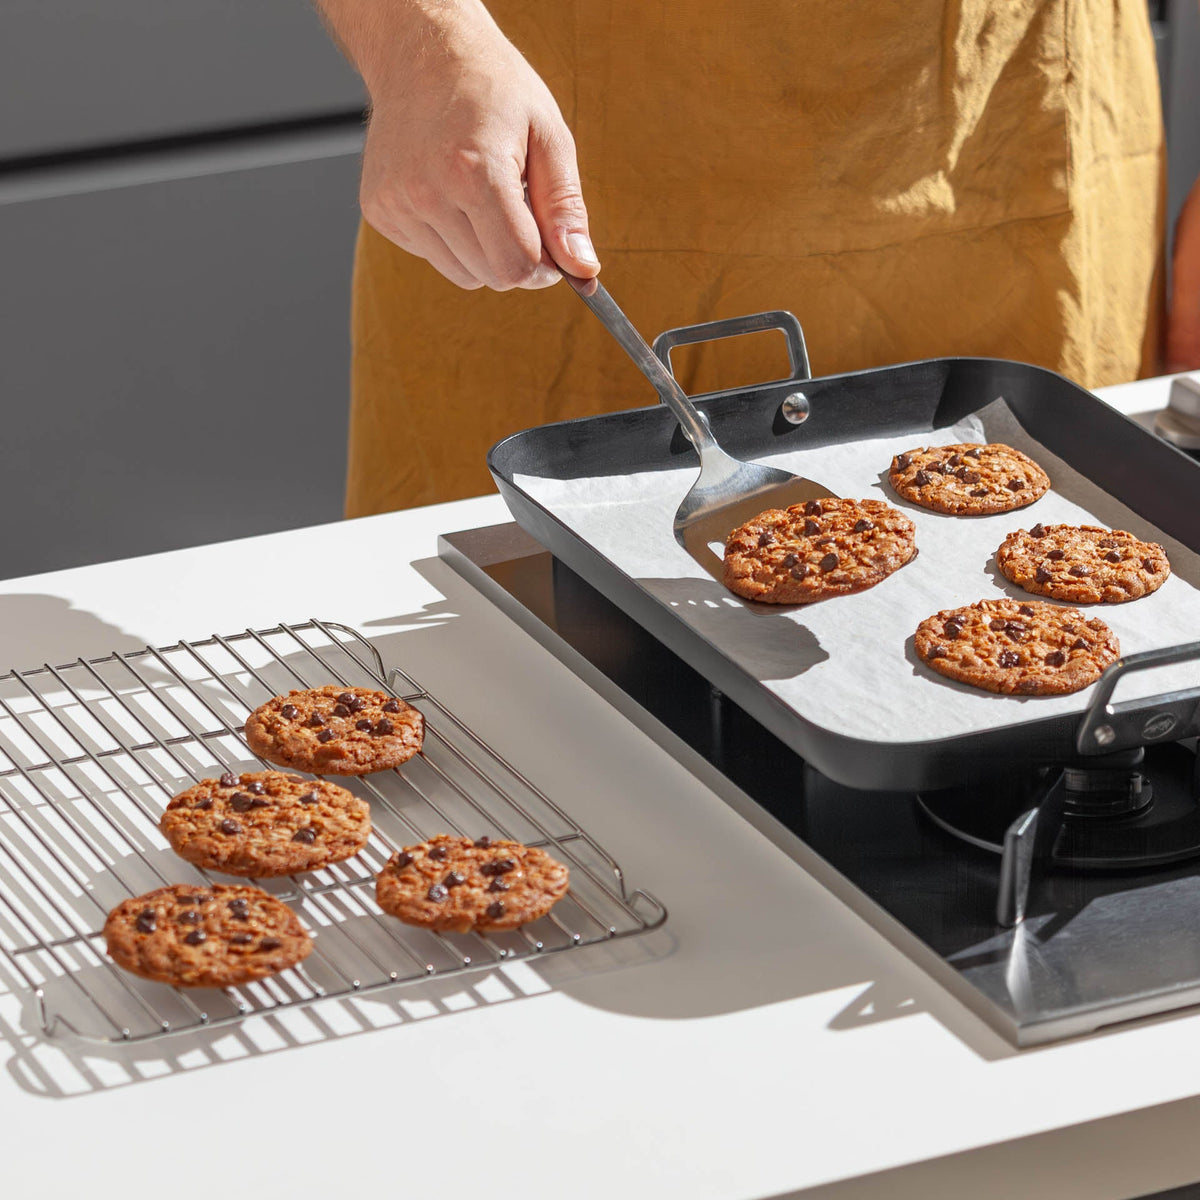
<point x="90" y="754"/>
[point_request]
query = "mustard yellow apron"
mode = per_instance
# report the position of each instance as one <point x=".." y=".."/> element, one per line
<point x="912" y="178"/>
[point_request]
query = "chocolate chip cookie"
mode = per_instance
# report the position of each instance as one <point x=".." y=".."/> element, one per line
<point x="265" y="823"/>
<point x="336" y="731"/>
<point x="455" y="885"/>
<point x="822" y="548"/>
<point x="968" y="478"/>
<point x="1033" y="649"/>
<point x="1082" y="563"/>
<point x="216" y="936"/>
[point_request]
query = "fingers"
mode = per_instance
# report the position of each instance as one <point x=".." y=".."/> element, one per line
<point x="556" y="198"/>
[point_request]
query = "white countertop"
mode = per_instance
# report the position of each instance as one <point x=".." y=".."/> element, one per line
<point x="766" y="1042"/>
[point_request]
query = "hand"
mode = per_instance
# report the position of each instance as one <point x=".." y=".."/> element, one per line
<point x="468" y="162"/>
<point x="1183" y="319"/>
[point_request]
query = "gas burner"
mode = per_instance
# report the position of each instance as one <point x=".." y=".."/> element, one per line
<point x="1118" y="811"/>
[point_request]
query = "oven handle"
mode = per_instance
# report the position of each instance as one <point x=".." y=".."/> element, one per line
<point x="1174" y="715"/>
<point x="711" y="331"/>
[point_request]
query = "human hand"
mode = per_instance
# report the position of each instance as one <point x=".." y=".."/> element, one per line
<point x="1183" y="317"/>
<point x="468" y="162"/>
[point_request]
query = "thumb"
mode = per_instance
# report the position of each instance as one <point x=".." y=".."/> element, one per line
<point x="556" y="199"/>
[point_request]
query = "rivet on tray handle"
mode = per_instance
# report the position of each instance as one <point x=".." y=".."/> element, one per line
<point x="1164" y="718"/>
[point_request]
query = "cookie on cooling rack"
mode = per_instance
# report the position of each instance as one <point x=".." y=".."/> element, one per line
<point x="216" y="936"/>
<point x="455" y="885"/>
<point x="336" y="730"/>
<point x="1031" y="649"/>
<point x="968" y="478"/>
<point x="266" y="823"/>
<point x="811" y="551"/>
<point x="1084" y="564"/>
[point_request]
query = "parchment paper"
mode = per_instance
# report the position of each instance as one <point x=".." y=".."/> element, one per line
<point x="848" y="664"/>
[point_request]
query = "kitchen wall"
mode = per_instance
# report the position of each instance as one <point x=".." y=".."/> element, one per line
<point x="177" y="214"/>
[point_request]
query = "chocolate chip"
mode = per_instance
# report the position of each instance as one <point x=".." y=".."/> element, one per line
<point x="190" y="917"/>
<point x="1055" y="658"/>
<point x="1080" y="644"/>
<point x="996" y="624"/>
<point x="363" y="724"/>
<point x="270" y="944"/>
<point x="326" y="735"/>
<point x="1107" y="542"/>
<point x="1080" y="570"/>
<point x="952" y="629"/>
<point x="438" y="853"/>
<point x="1015" y="485"/>
<point x="256" y="788"/>
<point x="1151" y="565"/>
<point x="437" y="892"/>
<point x="1056" y="555"/>
<point x="483" y="843"/>
<point x="229" y="779"/>
<point x="356" y="704"/>
<point x="863" y="524"/>
<point x="764" y="539"/>
<point x="829" y="562"/>
<point x="205" y="803"/>
<point x="812" y="508"/>
<point x="971" y="453"/>
<point x="383" y="727"/>
<point x="970" y="477"/>
<point x="1015" y="630"/>
<point x="309" y="798"/>
<point x="937" y="652"/>
<point x="1026" y="610"/>
<point x="403" y="858"/>
<point x="229" y="826"/>
<point x="497" y="885"/>
<point x="1009" y="658"/>
<point x="345" y="697"/>
<point x="954" y="460"/>
<point x="315" y="721"/>
<point x="811" y="528"/>
<point x="240" y="908"/>
<point x="978" y="492"/>
<point x="289" y="712"/>
<point x="184" y="901"/>
<point x="241" y="939"/>
<point x="495" y="909"/>
<point x="454" y="879"/>
<point x="824" y="541"/>
<point x="498" y="866"/>
<point x="305" y="836"/>
<point x="921" y="479"/>
<point x="803" y="571"/>
<point x="1038" y="531"/>
<point x="147" y="921"/>
<point x="341" y="710"/>
<point x="903" y="461"/>
<point x="1027" y="685"/>
<point x="789" y="560"/>
<point x="1113" y="556"/>
<point x="240" y="802"/>
<point x="196" y="938"/>
<point x="260" y="802"/>
<point x="392" y="706"/>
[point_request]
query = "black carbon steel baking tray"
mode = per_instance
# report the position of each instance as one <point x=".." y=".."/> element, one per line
<point x="1154" y="479"/>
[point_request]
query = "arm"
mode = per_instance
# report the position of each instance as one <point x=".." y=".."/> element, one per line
<point x="1183" y="323"/>
<point x="460" y="126"/>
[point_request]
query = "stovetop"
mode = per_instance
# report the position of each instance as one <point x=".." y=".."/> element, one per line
<point x="1095" y="947"/>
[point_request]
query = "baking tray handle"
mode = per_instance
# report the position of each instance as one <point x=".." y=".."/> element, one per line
<point x="711" y="331"/>
<point x="1168" y="717"/>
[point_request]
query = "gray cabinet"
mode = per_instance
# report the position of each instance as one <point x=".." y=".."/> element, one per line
<point x="78" y="73"/>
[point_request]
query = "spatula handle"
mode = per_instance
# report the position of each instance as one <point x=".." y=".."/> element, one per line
<point x="594" y="295"/>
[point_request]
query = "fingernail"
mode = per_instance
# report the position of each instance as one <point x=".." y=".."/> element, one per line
<point x="580" y="246"/>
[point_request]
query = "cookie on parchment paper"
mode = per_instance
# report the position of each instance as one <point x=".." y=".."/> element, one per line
<point x="216" y="936"/>
<point x="335" y="730"/>
<point x="266" y="823"/>
<point x="823" y="548"/>
<point x="455" y="885"/>
<point x="1084" y="564"/>
<point x="968" y="478"/>
<point x="1022" y="649"/>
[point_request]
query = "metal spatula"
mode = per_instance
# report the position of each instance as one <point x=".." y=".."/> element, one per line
<point x="728" y="492"/>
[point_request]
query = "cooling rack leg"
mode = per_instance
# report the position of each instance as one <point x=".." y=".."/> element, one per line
<point x="1027" y="842"/>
